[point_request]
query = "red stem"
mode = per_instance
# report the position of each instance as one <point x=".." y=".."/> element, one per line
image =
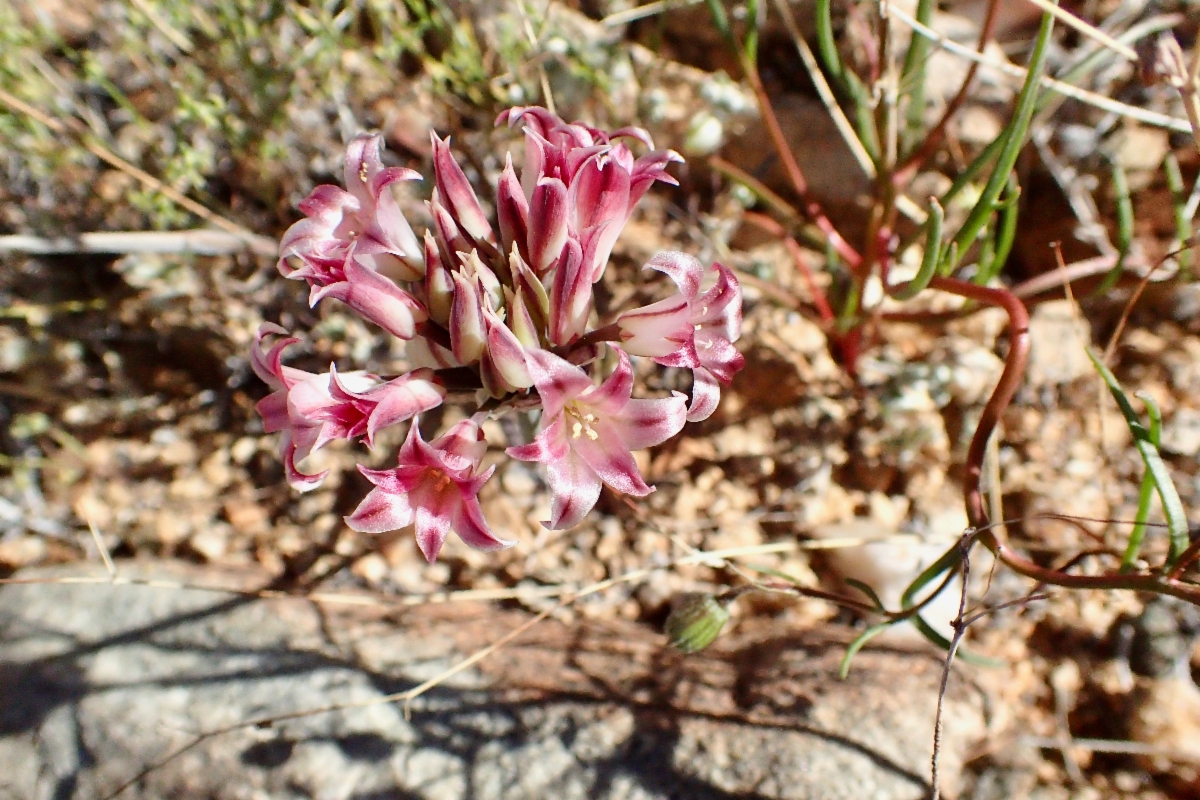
<point x="1006" y="387"/>
<point x="811" y="207"/>
<point x="933" y="139"/>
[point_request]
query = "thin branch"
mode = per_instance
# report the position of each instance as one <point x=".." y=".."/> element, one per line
<point x="812" y="208"/>
<point x="1006" y="387"/>
<point x="824" y="91"/>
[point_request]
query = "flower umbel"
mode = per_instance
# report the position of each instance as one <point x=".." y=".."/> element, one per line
<point x="496" y="312"/>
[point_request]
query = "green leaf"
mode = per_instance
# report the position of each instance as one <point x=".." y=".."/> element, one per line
<point x="929" y="260"/>
<point x="858" y="644"/>
<point x="1177" y="524"/>
<point x="1006" y="234"/>
<point x="913" y="75"/>
<point x="866" y="590"/>
<point x="938" y="640"/>
<point x="1014" y="139"/>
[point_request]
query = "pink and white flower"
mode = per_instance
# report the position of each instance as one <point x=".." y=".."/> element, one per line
<point x="364" y="216"/>
<point x="588" y="433"/>
<point x="690" y="329"/>
<point x="312" y="410"/>
<point x="352" y="239"/>
<point x="498" y="307"/>
<point x="434" y="487"/>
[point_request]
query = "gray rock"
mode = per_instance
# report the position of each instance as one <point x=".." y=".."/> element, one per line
<point x="100" y="682"/>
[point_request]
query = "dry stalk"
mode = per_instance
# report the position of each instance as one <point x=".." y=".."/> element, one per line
<point x="1171" y="64"/>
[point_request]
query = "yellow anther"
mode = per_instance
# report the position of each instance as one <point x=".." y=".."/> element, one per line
<point x="582" y="425"/>
<point x="362" y="172"/>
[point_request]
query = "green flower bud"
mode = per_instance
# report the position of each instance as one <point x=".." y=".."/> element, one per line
<point x="695" y="622"/>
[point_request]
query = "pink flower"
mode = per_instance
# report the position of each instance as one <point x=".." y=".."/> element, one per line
<point x="690" y="329"/>
<point x="350" y="240"/>
<point x="602" y="179"/>
<point x="436" y="487"/>
<point x="312" y="410"/>
<point x="588" y="433"/>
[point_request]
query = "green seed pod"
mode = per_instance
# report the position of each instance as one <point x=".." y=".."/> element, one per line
<point x="695" y="622"/>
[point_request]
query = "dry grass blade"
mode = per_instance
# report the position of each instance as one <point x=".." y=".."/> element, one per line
<point x="645" y="11"/>
<point x="1074" y="92"/>
<point x="201" y="241"/>
<point x="103" y="548"/>
<point x="257" y="244"/>
<point x="178" y="39"/>
<point x="1091" y="31"/>
<point x="824" y="91"/>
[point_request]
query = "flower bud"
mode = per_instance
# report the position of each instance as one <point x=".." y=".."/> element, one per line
<point x="439" y="286"/>
<point x="503" y="366"/>
<point x="466" y="321"/>
<point x="473" y="268"/>
<point x="547" y="224"/>
<point x="512" y="211"/>
<point x="695" y="622"/>
<point x="457" y="193"/>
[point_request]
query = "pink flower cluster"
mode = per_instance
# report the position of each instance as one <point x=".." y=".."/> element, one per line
<point x="502" y="304"/>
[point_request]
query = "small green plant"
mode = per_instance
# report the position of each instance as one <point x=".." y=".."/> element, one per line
<point x="885" y="124"/>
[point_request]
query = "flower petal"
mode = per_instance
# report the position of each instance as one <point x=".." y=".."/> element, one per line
<point x="570" y="294"/>
<point x="646" y="423"/>
<point x="611" y="396"/>
<point x="549" y="445"/>
<point x="401" y="399"/>
<point x="433" y="512"/>
<point x="611" y="459"/>
<point x="706" y="393"/>
<point x="377" y="299"/>
<point x="658" y="329"/>
<point x="575" y="487"/>
<point x="381" y="511"/>
<point x="685" y="270"/>
<point x="512" y="210"/>
<point x="467" y="337"/>
<point x="547" y="223"/>
<point x="557" y="380"/>
<point x="300" y="481"/>
<point x="719" y="356"/>
<point x="468" y="522"/>
<point x="457" y="193"/>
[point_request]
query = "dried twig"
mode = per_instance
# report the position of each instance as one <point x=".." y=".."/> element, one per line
<point x="1170" y="63"/>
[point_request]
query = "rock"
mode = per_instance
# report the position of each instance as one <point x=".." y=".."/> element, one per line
<point x="1058" y="340"/>
<point x="99" y="682"/>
